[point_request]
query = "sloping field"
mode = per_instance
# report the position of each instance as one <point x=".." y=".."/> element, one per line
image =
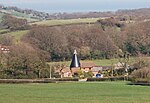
<point x="1" y="15"/>
<point x="3" y="31"/>
<point x="17" y="15"/>
<point x="75" y="92"/>
<point x="67" y="21"/>
<point x="17" y="35"/>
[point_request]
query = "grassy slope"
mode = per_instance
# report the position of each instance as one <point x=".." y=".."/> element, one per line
<point x="68" y="21"/>
<point x="17" y="35"/>
<point x="18" y="15"/>
<point x="94" y="92"/>
<point x="3" y="30"/>
<point x="1" y="15"/>
<point x="23" y="16"/>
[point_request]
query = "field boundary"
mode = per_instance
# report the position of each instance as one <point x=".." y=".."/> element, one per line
<point x="15" y="81"/>
<point x="48" y="80"/>
<point x="142" y="84"/>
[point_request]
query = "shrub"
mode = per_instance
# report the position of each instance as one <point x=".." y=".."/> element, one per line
<point x="141" y="75"/>
<point x="79" y="74"/>
<point x="37" y="80"/>
<point x="142" y="62"/>
<point x="107" y="79"/>
<point x="88" y="74"/>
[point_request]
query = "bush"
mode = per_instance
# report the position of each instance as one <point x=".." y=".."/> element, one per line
<point x="88" y="74"/>
<point x="141" y="75"/>
<point x="12" y="23"/>
<point x="66" y="79"/>
<point x="142" y="62"/>
<point x="37" y="80"/>
<point x="81" y="74"/>
<point x="106" y="79"/>
<point x="78" y="74"/>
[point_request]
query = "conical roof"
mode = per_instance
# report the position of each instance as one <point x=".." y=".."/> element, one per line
<point x="75" y="61"/>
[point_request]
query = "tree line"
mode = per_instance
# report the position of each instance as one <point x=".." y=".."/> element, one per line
<point x="101" y="40"/>
<point x="92" y="41"/>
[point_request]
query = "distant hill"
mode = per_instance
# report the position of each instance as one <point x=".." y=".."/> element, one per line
<point x="19" y="13"/>
<point x="136" y="12"/>
<point x="32" y="15"/>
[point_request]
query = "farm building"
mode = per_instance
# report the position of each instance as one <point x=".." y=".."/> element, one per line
<point x="87" y="66"/>
<point x="84" y="66"/>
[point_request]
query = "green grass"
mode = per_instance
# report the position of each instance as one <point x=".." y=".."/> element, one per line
<point x="23" y="16"/>
<point x="18" y="15"/>
<point x="1" y="15"/>
<point x="110" y="62"/>
<point x="100" y="62"/>
<point x="17" y="35"/>
<point x="3" y="30"/>
<point x="68" y="21"/>
<point x="94" y="92"/>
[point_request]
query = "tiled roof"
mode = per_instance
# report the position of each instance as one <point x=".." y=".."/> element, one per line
<point x="87" y="64"/>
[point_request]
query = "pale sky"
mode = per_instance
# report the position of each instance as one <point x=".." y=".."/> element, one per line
<point x="52" y="6"/>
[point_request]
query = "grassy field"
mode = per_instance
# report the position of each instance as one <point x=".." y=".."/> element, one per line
<point x="94" y="92"/>
<point x="100" y="62"/>
<point x="17" y="35"/>
<point x="68" y="21"/>
<point x="23" y="16"/>
<point x="18" y="15"/>
<point x="4" y="30"/>
<point x="1" y="15"/>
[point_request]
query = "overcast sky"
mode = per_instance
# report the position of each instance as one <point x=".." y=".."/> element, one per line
<point x="52" y="6"/>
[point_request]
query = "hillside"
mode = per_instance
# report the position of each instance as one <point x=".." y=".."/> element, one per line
<point x="111" y="32"/>
<point x="17" y="14"/>
<point x="1" y="15"/>
<point x="33" y="15"/>
<point x="20" y="15"/>
<point x="104" y="38"/>
<point x="65" y="21"/>
<point x="16" y="35"/>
